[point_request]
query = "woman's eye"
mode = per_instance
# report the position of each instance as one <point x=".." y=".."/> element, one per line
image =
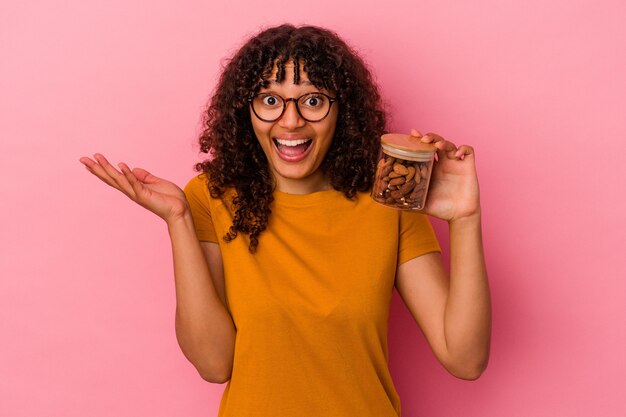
<point x="270" y="100"/>
<point x="313" y="101"/>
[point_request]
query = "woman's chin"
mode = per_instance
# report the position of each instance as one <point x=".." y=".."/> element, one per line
<point x="301" y="179"/>
<point x="294" y="173"/>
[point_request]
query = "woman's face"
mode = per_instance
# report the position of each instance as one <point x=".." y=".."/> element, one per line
<point x="295" y="148"/>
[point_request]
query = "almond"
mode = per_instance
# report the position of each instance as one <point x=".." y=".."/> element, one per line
<point x="407" y="187"/>
<point x="411" y="173"/>
<point x="400" y="169"/>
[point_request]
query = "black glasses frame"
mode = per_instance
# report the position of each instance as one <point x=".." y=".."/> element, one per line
<point x="331" y="100"/>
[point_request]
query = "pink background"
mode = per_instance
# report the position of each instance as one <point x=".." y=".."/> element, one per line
<point x="87" y="295"/>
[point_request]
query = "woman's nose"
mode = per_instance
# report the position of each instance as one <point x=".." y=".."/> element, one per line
<point x="291" y="119"/>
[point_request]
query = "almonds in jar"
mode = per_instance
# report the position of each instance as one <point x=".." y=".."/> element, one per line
<point x="403" y="172"/>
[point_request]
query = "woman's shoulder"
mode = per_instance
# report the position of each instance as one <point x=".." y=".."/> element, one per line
<point x="198" y="189"/>
<point x="197" y="186"/>
<point x="200" y="179"/>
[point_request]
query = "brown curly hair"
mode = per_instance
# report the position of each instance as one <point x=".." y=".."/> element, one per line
<point x="236" y="159"/>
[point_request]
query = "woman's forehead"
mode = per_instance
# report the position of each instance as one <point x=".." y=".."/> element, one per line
<point x="289" y="67"/>
<point x="282" y="74"/>
<point x="273" y="81"/>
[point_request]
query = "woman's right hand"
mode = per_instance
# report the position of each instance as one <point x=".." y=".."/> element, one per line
<point x="163" y="198"/>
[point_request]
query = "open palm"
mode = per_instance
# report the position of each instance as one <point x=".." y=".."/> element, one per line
<point x="161" y="197"/>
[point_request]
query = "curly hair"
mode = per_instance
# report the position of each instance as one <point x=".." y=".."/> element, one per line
<point x="236" y="159"/>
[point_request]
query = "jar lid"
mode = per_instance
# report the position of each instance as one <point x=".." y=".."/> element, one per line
<point x="407" y="146"/>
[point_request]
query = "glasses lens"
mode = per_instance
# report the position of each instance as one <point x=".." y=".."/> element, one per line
<point x="267" y="106"/>
<point x="314" y="106"/>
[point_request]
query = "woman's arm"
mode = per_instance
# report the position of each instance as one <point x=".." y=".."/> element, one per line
<point x="204" y="328"/>
<point x="453" y="310"/>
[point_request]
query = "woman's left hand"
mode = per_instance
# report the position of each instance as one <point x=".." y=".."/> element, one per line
<point x="453" y="192"/>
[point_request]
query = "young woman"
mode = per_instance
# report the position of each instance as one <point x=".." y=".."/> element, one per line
<point x="284" y="265"/>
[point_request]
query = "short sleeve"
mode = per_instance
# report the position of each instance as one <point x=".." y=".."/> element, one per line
<point x="198" y="196"/>
<point x="417" y="236"/>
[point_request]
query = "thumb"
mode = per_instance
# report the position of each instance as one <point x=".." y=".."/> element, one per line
<point x="416" y="133"/>
<point x="144" y="176"/>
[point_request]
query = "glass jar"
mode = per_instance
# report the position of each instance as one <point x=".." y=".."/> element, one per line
<point x="403" y="172"/>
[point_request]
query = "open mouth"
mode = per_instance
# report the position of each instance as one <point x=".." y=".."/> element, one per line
<point x="292" y="150"/>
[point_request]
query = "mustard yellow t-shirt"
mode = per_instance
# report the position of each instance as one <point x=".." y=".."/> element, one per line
<point x="311" y="305"/>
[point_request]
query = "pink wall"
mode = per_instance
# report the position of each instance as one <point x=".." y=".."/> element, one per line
<point x="87" y="295"/>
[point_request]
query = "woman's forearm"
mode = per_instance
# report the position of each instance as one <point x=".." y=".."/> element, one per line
<point x="204" y="328"/>
<point x="468" y="310"/>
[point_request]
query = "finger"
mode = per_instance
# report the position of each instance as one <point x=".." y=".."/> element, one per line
<point x="433" y="138"/>
<point x="144" y="176"/>
<point x="86" y="161"/>
<point x="120" y="179"/>
<point x="429" y="138"/>
<point x="106" y="165"/>
<point x="463" y="151"/>
<point x="137" y="186"/>
<point x="444" y="147"/>
<point x="96" y="169"/>
<point x="116" y="175"/>
<point x="416" y="133"/>
<point x="448" y="148"/>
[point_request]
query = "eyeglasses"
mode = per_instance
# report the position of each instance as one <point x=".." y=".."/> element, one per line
<point x="312" y="107"/>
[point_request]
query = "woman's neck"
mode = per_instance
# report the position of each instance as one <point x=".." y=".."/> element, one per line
<point x="308" y="185"/>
